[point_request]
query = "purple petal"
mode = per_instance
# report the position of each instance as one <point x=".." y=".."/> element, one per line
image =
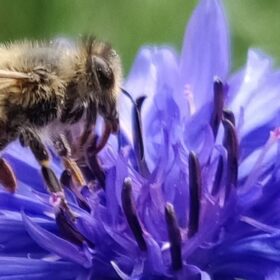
<point x="13" y="268"/>
<point x="205" y="51"/>
<point x="56" y="244"/>
<point x="273" y="275"/>
<point x="267" y="97"/>
<point x="141" y="81"/>
<point x="154" y="69"/>
<point x="193" y="272"/>
<point x="257" y="68"/>
<point x="120" y="273"/>
<point x="17" y="202"/>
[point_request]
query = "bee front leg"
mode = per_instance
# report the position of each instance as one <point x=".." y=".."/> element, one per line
<point x="64" y="151"/>
<point x="31" y="139"/>
<point x="7" y="175"/>
<point x="87" y="135"/>
<point x="91" y="116"/>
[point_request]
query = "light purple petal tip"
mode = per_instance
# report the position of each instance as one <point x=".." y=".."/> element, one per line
<point x="206" y="51"/>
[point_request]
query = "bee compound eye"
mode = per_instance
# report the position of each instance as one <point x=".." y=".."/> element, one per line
<point x="99" y="64"/>
<point x="103" y="71"/>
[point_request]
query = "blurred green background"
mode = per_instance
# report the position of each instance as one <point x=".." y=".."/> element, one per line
<point x="128" y="24"/>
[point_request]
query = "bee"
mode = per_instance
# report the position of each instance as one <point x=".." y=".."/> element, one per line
<point x="46" y="88"/>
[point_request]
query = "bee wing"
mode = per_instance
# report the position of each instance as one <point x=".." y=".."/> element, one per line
<point x="10" y="78"/>
<point x="63" y="43"/>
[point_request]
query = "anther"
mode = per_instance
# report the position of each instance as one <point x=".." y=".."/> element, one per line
<point x="51" y="180"/>
<point x="67" y="211"/>
<point x="174" y="237"/>
<point x="67" y="229"/>
<point x="195" y="194"/>
<point x="66" y="181"/>
<point x="131" y="215"/>
<point x="218" y="106"/>
<point x="65" y="178"/>
<point x="7" y="176"/>
<point x="137" y="131"/>
<point x="231" y="145"/>
<point x="138" y="134"/>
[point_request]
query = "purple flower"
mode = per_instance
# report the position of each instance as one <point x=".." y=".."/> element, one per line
<point x="189" y="189"/>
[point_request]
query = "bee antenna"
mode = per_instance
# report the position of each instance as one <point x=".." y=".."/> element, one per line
<point x="88" y="41"/>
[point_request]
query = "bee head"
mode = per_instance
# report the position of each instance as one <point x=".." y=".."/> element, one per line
<point x="106" y="72"/>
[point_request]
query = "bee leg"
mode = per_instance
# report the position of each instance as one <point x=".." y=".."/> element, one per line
<point x="85" y="137"/>
<point x="91" y="116"/>
<point x="31" y="139"/>
<point x="72" y="176"/>
<point x="87" y="134"/>
<point x="64" y="151"/>
<point x="7" y="176"/>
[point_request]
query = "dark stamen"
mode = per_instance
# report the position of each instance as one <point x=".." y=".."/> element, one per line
<point x="231" y="145"/>
<point x="218" y="106"/>
<point x="87" y="172"/>
<point x="138" y="135"/>
<point x="174" y="237"/>
<point x="218" y="176"/>
<point x="83" y="204"/>
<point x="228" y="115"/>
<point x="65" y="178"/>
<point x="195" y="194"/>
<point x="66" y="182"/>
<point x="131" y="215"/>
<point x="51" y="180"/>
<point x="68" y="230"/>
<point x="138" y="132"/>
